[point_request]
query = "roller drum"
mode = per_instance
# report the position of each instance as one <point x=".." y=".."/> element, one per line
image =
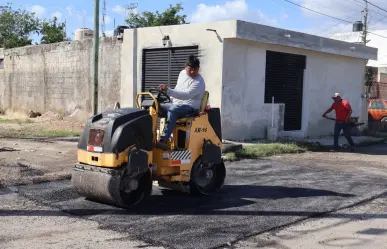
<point x="99" y="185"/>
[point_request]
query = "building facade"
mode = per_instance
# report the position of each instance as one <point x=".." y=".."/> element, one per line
<point x="246" y="66"/>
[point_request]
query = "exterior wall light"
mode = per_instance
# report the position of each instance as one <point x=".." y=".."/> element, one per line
<point x="165" y="40"/>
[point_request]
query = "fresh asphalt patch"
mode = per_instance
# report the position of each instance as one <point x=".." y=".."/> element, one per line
<point x="258" y="196"/>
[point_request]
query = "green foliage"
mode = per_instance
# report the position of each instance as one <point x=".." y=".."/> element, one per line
<point x="16" y="26"/>
<point x="148" y="19"/>
<point x="52" y="32"/>
<point x="368" y="78"/>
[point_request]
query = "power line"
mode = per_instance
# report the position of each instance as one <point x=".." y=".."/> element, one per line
<point x="337" y="24"/>
<point x="339" y="1"/>
<point x="361" y="3"/>
<point x="381" y="19"/>
<point x="317" y="12"/>
<point x="377" y="34"/>
<point x="330" y="16"/>
<point x="377" y="6"/>
<point x="358" y="2"/>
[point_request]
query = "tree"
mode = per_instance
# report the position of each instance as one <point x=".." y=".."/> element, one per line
<point x="148" y="19"/>
<point x="16" y="27"/>
<point x="369" y="79"/>
<point x="52" y="32"/>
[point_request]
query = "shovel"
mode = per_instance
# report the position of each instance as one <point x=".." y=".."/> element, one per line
<point x="352" y="124"/>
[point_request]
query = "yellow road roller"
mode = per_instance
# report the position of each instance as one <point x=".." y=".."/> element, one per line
<point x="118" y="162"/>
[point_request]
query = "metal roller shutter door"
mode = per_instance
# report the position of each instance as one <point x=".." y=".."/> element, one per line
<point x="177" y="61"/>
<point x="154" y="68"/>
<point x="284" y="81"/>
<point x="163" y="65"/>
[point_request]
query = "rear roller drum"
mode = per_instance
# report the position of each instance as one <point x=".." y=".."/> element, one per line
<point x="207" y="179"/>
<point x="111" y="186"/>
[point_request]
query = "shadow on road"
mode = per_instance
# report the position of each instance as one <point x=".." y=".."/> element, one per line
<point x="232" y="200"/>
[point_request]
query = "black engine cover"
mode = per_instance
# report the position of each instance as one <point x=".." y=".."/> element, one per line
<point x="121" y="129"/>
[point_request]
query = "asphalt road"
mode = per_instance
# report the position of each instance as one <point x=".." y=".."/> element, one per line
<point x="258" y="196"/>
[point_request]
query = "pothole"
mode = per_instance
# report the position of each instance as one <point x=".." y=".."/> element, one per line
<point x="7" y="149"/>
<point x="14" y="172"/>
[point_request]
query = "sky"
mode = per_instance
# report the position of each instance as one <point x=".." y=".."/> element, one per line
<point x="277" y="13"/>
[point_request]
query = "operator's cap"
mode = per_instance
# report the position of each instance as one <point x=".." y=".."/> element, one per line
<point x="336" y="95"/>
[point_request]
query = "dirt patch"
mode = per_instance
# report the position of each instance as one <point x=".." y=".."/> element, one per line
<point x="27" y="161"/>
<point x="11" y="173"/>
<point x="50" y="124"/>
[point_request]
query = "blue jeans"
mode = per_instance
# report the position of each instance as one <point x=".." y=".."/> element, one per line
<point x="347" y="133"/>
<point x="172" y="113"/>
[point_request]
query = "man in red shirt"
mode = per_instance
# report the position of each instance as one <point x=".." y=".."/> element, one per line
<point x="343" y="113"/>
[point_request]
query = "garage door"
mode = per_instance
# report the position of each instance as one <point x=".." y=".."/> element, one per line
<point x="284" y="81"/>
<point x="163" y="65"/>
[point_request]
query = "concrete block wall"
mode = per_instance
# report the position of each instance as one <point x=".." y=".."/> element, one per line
<point x="57" y="77"/>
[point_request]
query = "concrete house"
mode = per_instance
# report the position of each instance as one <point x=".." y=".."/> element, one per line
<point x="245" y="66"/>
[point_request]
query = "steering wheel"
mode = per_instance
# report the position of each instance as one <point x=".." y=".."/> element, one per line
<point x="162" y="97"/>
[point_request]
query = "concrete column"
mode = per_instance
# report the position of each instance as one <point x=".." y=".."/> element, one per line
<point x="129" y="69"/>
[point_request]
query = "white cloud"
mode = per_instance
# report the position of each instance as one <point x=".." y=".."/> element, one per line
<point x="38" y="10"/>
<point x="284" y="16"/>
<point x="346" y="10"/>
<point x="328" y="29"/>
<point x="119" y="10"/>
<point x="69" y="10"/>
<point x="109" y="33"/>
<point x="231" y="10"/>
<point x="57" y="14"/>
<point x="108" y="19"/>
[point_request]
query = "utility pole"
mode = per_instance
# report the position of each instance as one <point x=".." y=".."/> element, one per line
<point x="364" y="36"/>
<point x="368" y="73"/>
<point x="103" y="18"/>
<point x="65" y="30"/>
<point x="95" y="56"/>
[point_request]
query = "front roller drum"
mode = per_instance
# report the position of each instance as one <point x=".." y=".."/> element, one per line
<point x="111" y="186"/>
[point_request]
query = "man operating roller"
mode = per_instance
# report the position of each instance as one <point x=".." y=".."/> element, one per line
<point x="186" y="97"/>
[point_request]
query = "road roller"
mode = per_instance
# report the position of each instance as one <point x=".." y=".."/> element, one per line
<point x="118" y="162"/>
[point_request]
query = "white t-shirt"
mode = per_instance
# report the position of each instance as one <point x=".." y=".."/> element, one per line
<point x="188" y="91"/>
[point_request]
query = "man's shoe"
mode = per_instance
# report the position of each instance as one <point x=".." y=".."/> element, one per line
<point x="161" y="145"/>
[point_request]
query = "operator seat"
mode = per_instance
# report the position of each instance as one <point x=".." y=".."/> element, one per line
<point x="203" y="105"/>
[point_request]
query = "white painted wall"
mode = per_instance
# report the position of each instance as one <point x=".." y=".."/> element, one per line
<point x="210" y="45"/>
<point x="243" y="111"/>
<point x="376" y="41"/>
<point x="244" y="115"/>
<point x="234" y="71"/>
